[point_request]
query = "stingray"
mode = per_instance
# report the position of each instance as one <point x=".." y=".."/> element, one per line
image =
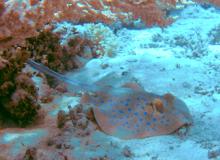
<point x="129" y="111"/>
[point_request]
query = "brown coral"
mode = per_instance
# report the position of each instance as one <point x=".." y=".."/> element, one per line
<point x="24" y="81"/>
<point x="46" y="49"/>
<point x="151" y="12"/>
<point x="30" y="154"/>
<point x="20" y="20"/>
<point x="23" y="107"/>
<point x="61" y="119"/>
<point x="18" y="95"/>
<point x="82" y="120"/>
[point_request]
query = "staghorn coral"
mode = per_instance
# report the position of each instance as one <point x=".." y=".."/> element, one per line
<point x="18" y="95"/>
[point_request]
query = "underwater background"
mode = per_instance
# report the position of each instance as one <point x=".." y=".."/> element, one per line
<point x="109" y="79"/>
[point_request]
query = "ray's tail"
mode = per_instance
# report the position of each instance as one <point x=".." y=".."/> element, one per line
<point x="74" y="84"/>
<point x="43" y="69"/>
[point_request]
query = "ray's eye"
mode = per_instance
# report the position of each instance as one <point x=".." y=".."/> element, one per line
<point x="158" y="104"/>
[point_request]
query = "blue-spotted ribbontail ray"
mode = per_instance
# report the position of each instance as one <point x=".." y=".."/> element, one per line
<point x="129" y="111"/>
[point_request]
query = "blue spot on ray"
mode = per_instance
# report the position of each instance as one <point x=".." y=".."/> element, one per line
<point x="154" y="119"/>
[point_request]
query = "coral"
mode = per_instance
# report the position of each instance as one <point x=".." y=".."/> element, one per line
<point x="18" y="95"/>
<point x="24" y="81"/>
<point x="20" y="20"/>
<point x="22" y="106"/>
<point x="215" y="2"/>
<point x="150" y="11"/>
<point x="30" y="154"/>
<point x="194" y="44"/>
<point x="60" y="141"/>
<point x="104" y="40"/>
<point x="61" y="119"/>
<point x="82" y="120"/>
<point x="46" y="49"/>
